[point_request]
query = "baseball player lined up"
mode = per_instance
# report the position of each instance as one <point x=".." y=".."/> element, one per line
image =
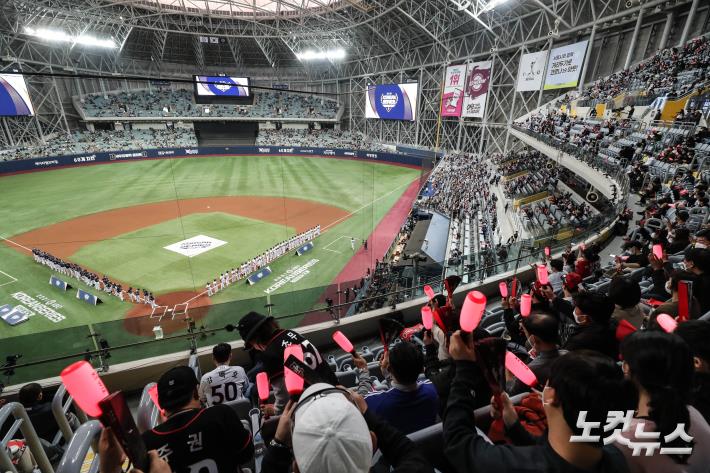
<point x="233" y="275"/>
<point x="92" y="279"/>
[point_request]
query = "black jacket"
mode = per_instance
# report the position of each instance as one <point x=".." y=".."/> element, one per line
<point x="701" y="394"/>
<point x="469" y="452"/>
<point x="396" y="448"/>
<point x="601" y="338"/>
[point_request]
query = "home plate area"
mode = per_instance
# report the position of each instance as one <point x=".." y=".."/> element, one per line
<point x="195" y="246"/>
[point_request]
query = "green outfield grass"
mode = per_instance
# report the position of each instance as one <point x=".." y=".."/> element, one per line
<point x="34" y="200"/>
<point x="144" y="262"/>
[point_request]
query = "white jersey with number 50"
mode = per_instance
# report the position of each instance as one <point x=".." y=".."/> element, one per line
<point x="223" y="384"/>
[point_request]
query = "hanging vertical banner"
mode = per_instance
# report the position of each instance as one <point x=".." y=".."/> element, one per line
<point x="452" y="100"/>
<point x="530" y="71"/>
<point x="476" y="90"/>
<point x="565" y="66"/>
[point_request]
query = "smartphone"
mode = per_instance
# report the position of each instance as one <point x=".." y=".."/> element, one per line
<point x="115" y="414"/>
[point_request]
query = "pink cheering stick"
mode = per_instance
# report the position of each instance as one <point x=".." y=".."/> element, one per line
<point x="667" y="323"/>
<point x="582" y="246"/>
<point x="153" y="393"/>
<point x="427" y="318"/>
<point x="262" y="386"/>
<point x="547" y="251"/>
<point x="503" y="287"/>
<point x="525" y="305"/>
<point x="520" y="370"/>
<point x="658" y="251"/>
<point x="294" y="382"/>
<point x="542" y="274"/>
<point x="429" y="292"/>
<point x="472" y="311"/>
<point x="84" y="385"/>
<point x="343" y="342"/>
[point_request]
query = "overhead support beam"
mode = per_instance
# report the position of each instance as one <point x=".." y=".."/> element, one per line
<point x="236" y="50"/>
<point x="551" y="12"/>
<point x="267" y="49"/>
<point x="199" y="53"/>
<point x="425" y="29"/>
<point x="634" y="40"/>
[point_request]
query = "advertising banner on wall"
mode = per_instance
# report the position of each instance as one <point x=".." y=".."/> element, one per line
<point x="452" y="98"/>
<point x="565" y="66"/>
<point x="531" y="71"/>
<point x="476" y="90"/>
<point x="391" y="101"/>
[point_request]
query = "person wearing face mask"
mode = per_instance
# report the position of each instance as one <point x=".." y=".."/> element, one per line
<point x="626" y="295"/>
<point x="697" y="261"/>
<point x="541" y="331"/>
<point x="702" y="239"/>
<point x="670" y="307"/>
<point x="681" y="241"/>
<point x="583" y="381"/>
<point x="593" y="329"/>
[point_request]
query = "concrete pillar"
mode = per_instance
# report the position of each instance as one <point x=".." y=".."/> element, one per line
<point x="590" y="47"/>
<point x="634" y="40"/>
<point x="688" y="22"/>
<point x="666" y="31"/>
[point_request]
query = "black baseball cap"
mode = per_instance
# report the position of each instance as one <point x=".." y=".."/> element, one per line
<point x="250" y="323"/>
<point x="175" y="387"/>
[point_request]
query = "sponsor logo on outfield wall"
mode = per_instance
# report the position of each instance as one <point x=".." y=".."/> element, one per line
<point x="192" y="151"/>
<point x="265" y="150"/>
<point x="50" y="162"/>
<point x="136" y="154"/>
<point x="85" y="159"/>
<point x="285" y="150"/>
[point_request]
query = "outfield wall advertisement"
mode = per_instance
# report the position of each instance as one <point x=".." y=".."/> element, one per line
<point x="37" y="164"/>
<point x="452" y="98"/>
<point x="531" y="71"/>
<point x="565" y="66"/>
<point x="476" y="90"/>
<point x="392" y="101"/>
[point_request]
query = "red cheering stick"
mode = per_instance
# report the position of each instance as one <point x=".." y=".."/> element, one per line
<point x="666" y="322"/>
<point x="153" y="393"/>
<point x="343" y="342"/>
<point x="624" y="329"/>
<point x="513" y="287"/>
<point x="472" y="310"/>
<point x="427" y="317"/>
<point x="294" y="382"/>
<point x="658" y="251"/>
<point x="542" y="274"/>
<point x="520" y="370"/>
<point x="429" y="292"/>
<point x="683" y="309"/>
<point x="525" y="304"/>
<point x="84" y="385"/>
<point x="503" y="287"/>
<point x="547" y="251"/>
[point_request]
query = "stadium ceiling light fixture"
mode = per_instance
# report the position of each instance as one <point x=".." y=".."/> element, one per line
<point x="330" y="54"/>
<point x="60" y="36"/>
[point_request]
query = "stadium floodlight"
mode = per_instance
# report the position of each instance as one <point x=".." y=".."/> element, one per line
<point x="329" y="55"/>
<point x="60" y="36"/>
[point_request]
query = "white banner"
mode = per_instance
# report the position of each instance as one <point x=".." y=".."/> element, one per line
<point x="530" y="71"/>
<point x="476" y="90"/>
<point x="452" y="100"/>
<point x="565" y="66"/>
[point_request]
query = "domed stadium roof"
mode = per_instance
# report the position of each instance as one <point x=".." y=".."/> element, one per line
<point x="244" y="8"/>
